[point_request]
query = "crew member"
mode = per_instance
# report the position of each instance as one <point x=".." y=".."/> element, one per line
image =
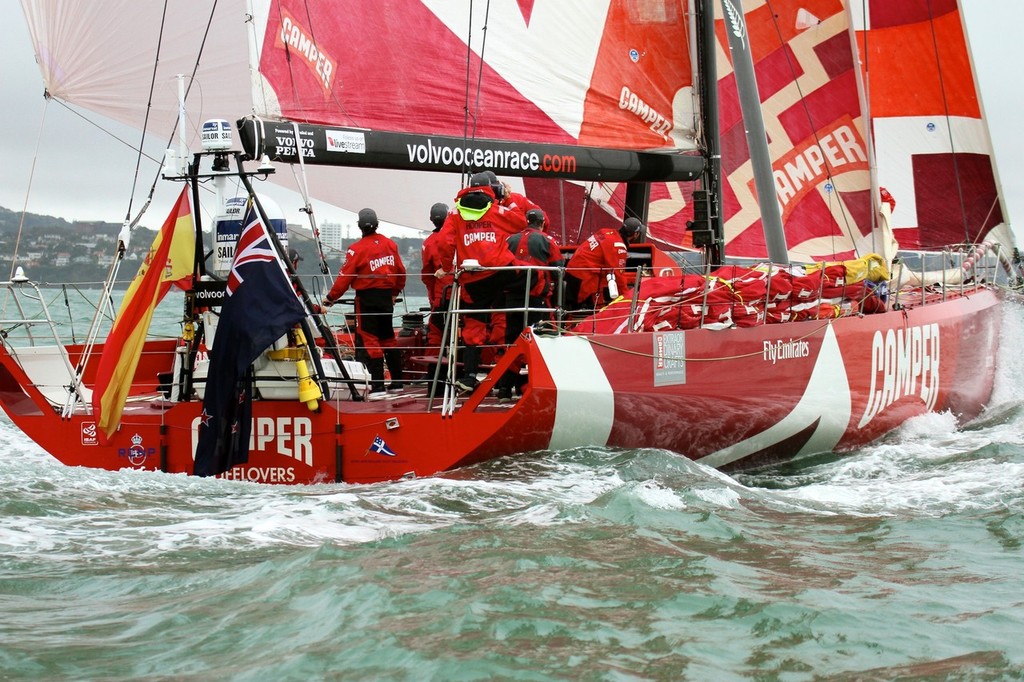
<point x="474" y="235"/>
<point x="604" y="253"/>
<point x="294" y="258"/>
<point x="374" y="270"/>
<point x="507" y="198"/>
<point x="535" y="247"/>
<point x="438" y="288"/>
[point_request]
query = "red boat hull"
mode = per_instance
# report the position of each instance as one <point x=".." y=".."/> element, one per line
<point x="734" y="398"/>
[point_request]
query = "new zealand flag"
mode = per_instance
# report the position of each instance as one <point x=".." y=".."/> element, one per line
<point x="260" y="307"/>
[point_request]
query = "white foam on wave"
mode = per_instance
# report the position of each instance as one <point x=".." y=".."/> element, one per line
<point x="658" y="496"/>
<point x="75" y="514"/>
<point x="1009" y="384"/>
<point x="932" y="466"/>
<point x="976" y="486"/>
<point x="923" y="472"/>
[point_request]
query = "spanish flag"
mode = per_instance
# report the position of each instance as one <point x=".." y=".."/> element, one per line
<point x="170" y="261"/>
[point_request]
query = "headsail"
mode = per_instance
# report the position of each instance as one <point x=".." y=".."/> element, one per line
<point x="101" y="56"/>
<point x="932" y="145"/>
<point x="208" y="43"/>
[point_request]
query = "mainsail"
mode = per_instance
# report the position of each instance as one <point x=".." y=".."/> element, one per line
<point x="596" y="74"/>
<point x="603" y="74"/>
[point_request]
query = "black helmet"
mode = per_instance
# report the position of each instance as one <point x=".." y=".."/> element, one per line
<point x="367" y="220"/>
<point x="479" y="180"/>
<point x="438" y="213"/>
<point x="535" y="217"/>
<point x="496" y="185"/>
<point x="631" y="229"/>
<point x="490" y="179"/>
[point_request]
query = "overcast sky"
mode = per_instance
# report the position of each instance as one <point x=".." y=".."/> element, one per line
<point x="74" y="179"/>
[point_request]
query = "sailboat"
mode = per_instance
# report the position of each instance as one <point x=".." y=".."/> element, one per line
<point x="771" y="153"/>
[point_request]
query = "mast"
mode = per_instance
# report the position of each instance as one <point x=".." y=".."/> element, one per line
<point x="757" y="139"/>
<point x="707" y="213"/>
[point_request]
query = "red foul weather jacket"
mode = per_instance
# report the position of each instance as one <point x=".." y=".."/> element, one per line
<point x="432" y="262"/>
<point x="477" y="230"/>
<point x="536" y="247"/>
<point x="604" y="252"/>
<point x="370" y="263"/>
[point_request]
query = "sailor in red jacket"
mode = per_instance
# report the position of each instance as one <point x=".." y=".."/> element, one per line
<point x="438" y="288"/>
<point x="532" y="246"/>
<point x="474" y="234"/>
<point x="604" y="253"/>
<point x="375" y="271"/>
<point x="507" y="198"/>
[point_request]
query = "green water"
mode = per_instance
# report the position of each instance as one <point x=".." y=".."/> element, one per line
<point x="574" y="565"/>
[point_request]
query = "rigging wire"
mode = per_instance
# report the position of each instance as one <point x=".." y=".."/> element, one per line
<point x="307" y="207"/>
<point x="145" y="124"/>
<point x="480" y="72"/>
<point x="188" y="90"/>
<point x="472" y="113"/>
<point x="864" y="54"/>
<point x="28" y="190"/>
<point x="301" y="180"/>
<point x="465" y="102"/>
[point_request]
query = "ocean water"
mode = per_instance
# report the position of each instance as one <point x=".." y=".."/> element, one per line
<point x="902" y="560"/>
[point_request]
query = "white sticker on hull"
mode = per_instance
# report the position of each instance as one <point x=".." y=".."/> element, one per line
<point x="826" y="400"/>
<point x="584" y="404"/>
<point x="669" y="358"/>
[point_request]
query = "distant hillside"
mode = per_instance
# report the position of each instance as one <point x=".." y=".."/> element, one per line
<point x="10" y="220"/>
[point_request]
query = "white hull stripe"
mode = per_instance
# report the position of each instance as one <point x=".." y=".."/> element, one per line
<point x="585" y="403"/>
<point x="826" y="400"/>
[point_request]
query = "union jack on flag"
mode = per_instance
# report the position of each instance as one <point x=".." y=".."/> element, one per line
<point x="253" y="246"/>
<point x="379" y="446"/>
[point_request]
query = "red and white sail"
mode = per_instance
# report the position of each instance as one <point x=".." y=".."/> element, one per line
<point x="605" y="74"/>
<point x="807" y="81"/>
<point x="931" y="142"/>
<point x="599" y="73"/>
